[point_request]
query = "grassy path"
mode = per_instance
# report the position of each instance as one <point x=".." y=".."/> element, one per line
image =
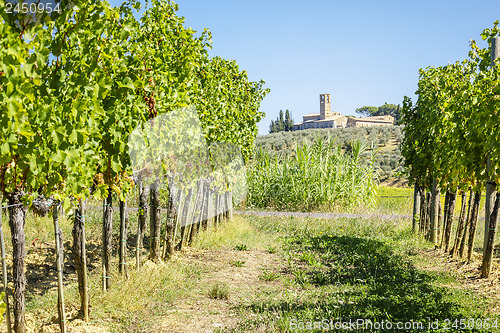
<point x="293" y="272"/>
<point x="278" y="274"/>
<point x="326" y="215"/>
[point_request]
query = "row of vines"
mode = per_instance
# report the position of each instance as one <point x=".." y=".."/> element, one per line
<point x="77" y="85"/>
<point x="451" y="147"/>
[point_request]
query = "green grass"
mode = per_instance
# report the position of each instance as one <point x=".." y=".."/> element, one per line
<point x="356" y="269"/>
<point x="269" y="276"/>
<point x="238" y="263"/>
<point x="219" y="291"/>
<point x="241" y="247"/>
<point x="349" y="268"/>
<point x="394" y="200"/>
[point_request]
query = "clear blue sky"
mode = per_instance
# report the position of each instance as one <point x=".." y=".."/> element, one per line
<point x="361" y="52"/>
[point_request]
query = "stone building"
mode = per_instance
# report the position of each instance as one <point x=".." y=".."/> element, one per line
<point x="386" y="120"/>
<point x="326" y="118"/>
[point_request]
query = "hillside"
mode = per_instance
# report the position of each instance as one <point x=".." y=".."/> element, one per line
<point x="385" y="139"/>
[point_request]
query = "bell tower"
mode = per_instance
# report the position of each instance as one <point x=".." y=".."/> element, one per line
<point x="324" y="106"/>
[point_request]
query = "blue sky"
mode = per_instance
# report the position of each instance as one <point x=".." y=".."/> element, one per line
<point x="361" y="52"/>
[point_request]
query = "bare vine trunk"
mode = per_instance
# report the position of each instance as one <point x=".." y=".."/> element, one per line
<point x="461" y="224"/>
<point x="446" y="204"/>
<point x="449" y="219"/>
<point x="17" y="218"/>
<point x="473" y="224"/>
<point x="423" y="215"/>
<point x="79" y="259"/>
<point x="428" y="214"/>
<point x="461" y="251"/>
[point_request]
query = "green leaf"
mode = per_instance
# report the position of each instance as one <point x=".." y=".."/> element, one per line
<point x="66" y="204"/>
<point x="73" y="137"/>
<point x="5" y="149"/>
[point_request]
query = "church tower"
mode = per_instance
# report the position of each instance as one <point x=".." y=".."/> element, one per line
<point x="324" y="106"/>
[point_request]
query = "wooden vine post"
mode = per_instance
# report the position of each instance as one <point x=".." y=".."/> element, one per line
<point x="226" y="205"/>
<point x="230" y="215"/>
<point x="428" y="209"/>
<point x="86" y="297"/>
<point x="184" y="219"/>
<point x="217" y="208"/>
<point x="446" y="205"/>
<point x="461" y="250"/>
<point x="107" y="246"/>
<point x="423" y="215"/>
<point x="488" y="205"/>
<point x="220" y="204"/>
<point x="461" y="224"/>
<point x="488" y="257"/>
<point x="416" y="207"/>
<point x="80" y="258"/>
<point x="449" y="218"/>
<point x="168" y="246"/>
<point x="4" y="276"/>
<point x="123" y="238"/>
<point x="155" y="223"/>
<point x="213" y="208"/>
<point x="206" y="205"/>
<point x="473" y="224"/>
<point x="180" y="198"/>
<point x="194" y="218"/>
<point x="141" y="222"/>
<point x="59" y="263"/>
<point x="434" y="211"/>
<point x="491" y="212"/>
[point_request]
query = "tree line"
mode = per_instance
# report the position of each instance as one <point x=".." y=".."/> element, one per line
<point x="386" y="109"/>
<point x="282" y="123"/>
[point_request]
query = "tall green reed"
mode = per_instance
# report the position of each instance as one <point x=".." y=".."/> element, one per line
<point x="319" y="176"/>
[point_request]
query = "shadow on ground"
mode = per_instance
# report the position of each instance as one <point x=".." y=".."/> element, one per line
<point x="347" y="278"/>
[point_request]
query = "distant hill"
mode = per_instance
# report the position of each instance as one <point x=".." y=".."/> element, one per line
<point x="385" y="138"/>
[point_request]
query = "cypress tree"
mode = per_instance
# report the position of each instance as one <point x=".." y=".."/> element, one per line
<point x="281" y="122"/>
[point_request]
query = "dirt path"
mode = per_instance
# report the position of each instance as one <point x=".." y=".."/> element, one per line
<point x="198" y="312"/>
